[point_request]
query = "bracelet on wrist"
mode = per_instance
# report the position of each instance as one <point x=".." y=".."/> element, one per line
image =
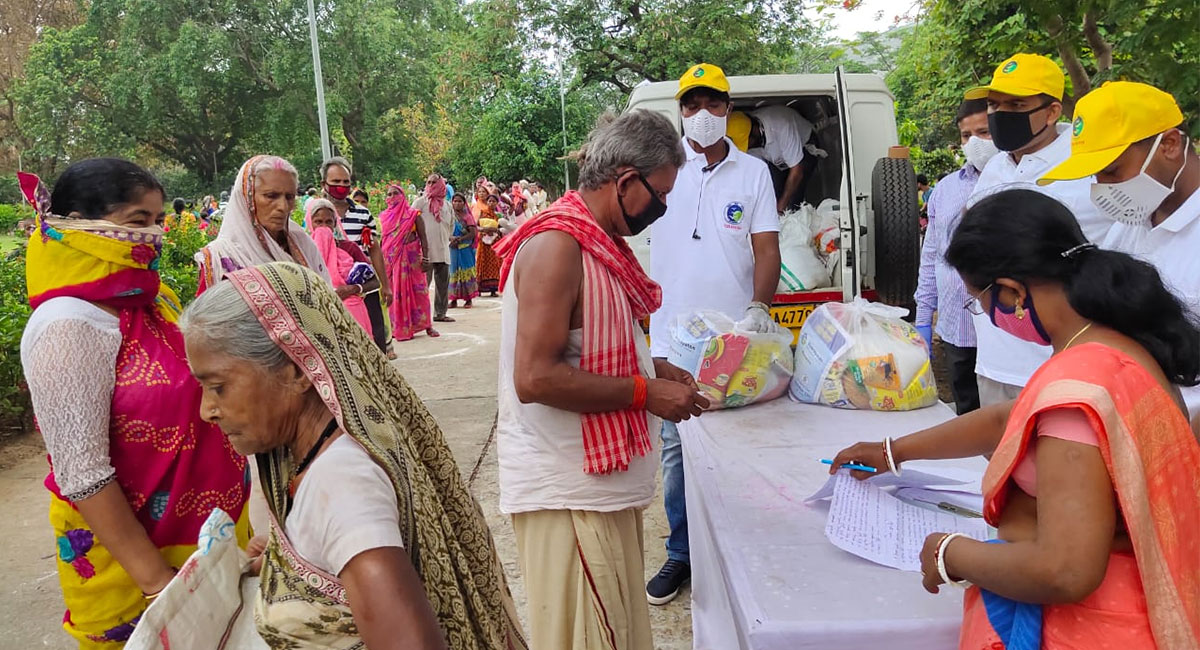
<point x="640" y="393"/>
<point x="889" y="457"/>
<point x="939" y="556"/>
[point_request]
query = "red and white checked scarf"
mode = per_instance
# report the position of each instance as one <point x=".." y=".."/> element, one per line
<point x="616" y="291"/>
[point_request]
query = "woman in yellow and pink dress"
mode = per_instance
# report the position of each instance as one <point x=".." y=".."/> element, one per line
<point x="135" y="471"/>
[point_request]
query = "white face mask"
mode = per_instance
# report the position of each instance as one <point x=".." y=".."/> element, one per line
<point x="979" y="151"/>
<point x="1133" y="201"/>
<point x="704" y="128"/>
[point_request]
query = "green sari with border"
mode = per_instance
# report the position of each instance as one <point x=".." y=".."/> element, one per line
<point x="444" y="530"/>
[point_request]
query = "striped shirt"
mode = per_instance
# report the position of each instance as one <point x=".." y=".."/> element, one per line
<point x="938" y="283"/>
<point x="355" y="220"/>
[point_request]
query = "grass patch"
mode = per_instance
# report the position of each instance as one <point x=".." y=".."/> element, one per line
<point x="9" y="242"/>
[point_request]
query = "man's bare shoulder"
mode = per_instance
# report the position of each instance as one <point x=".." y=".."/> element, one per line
<point x="551" y="247"/>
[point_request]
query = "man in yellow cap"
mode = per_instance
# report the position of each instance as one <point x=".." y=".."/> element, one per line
<point x="716" y="248"/>
<point x="1131" y="137"/>
<point x="1024" y="99"/>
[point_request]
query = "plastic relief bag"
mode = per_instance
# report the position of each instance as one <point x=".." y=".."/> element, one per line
<point x="732" y="368"/>
<point x="801" y="269"/>
<point x="861" y="355"/>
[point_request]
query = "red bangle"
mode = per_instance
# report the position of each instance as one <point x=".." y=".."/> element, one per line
<point x="640" y="391"/>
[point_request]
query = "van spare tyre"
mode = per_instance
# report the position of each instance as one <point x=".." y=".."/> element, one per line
<point x="897" y="231"/>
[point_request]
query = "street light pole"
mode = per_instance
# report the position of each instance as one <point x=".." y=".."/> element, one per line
<point x="562" y="100"/>
<point x="326" y="152"/>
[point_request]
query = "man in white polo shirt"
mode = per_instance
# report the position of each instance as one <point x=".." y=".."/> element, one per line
<point x="717" y="247"/>
<point x="1131" y="137"/>
<point x="1024" y="101"/>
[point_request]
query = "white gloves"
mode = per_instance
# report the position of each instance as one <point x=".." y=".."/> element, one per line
<point x="757" y="319"/>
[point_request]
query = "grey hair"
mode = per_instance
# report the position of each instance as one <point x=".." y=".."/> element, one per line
<point x="641" y="139"/>
<point x="273" y="163"/>
<point x="222" y="318"/>
<point x="340" y="162"/>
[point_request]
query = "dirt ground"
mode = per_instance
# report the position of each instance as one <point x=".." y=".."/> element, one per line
<point x="456" y="377"/>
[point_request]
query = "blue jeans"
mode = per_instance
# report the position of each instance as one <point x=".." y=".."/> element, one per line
<point x="673" y="494"/>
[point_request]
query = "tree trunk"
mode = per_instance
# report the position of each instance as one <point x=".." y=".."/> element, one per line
<point x="1081" y="83"/>
<point x="1100" y="47"/>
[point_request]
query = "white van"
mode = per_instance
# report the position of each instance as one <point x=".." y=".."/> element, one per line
<point x="854" y="121"/>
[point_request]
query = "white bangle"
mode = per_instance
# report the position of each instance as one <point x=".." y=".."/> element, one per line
<point x="940" y="554"/>
<point x="887" y="454"/>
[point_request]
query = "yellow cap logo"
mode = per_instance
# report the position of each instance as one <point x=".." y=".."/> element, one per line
<point x="698" y="73"/>
<point x="1009" y="67"/>
<point x="1077" y="127"/>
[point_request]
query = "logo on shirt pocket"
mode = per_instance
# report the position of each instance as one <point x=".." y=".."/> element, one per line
<point x="734" y="212"/>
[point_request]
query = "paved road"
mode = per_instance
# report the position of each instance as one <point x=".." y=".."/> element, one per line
<point x="456" y="377"/>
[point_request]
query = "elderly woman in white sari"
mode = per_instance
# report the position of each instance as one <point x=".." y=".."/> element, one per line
<point x="375" y="540"/>
<point x="257" y="227"/>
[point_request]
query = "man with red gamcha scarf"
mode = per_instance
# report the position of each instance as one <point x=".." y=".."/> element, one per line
<point x="579" y="394"/>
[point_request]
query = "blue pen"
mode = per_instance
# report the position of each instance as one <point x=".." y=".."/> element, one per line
<point x="864" y="468"/>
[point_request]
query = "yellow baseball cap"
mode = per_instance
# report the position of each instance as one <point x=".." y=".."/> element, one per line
<point x="1108" y="120"/>
<point x="702" y="75"/>
<point x="1024" y="75"/>
<point x="737" y="127"/>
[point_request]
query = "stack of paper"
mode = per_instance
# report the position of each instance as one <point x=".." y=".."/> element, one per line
<point x="872" y="523"/>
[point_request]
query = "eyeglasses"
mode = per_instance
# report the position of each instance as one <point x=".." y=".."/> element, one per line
<point x="973" y="304"/>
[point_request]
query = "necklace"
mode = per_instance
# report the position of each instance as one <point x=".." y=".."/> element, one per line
<point x="1077" y="335"/>
<point x="312" y="452"/>
<point x="308" y="459"/>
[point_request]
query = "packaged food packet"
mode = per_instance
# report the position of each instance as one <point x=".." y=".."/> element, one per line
<point x="732" y="368"/>
<point x="861" y="355"/>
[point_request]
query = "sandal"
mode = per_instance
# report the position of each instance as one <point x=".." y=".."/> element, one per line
<point x="467" y="305"/>
<point x="433" y="334"/>
<point x="443" y="319"/>
<point x="391" y="352"/>
<point x="453" y="304"/>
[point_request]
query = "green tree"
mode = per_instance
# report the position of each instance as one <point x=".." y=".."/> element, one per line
<point x="620" y="43"/>
<point x="519" y="135"/>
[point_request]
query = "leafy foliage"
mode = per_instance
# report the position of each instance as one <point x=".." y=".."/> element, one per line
<point x="620" y="43"/>
<point x="15" y="407"/>
<point x="11" y="215"/>
<point x="177" y="266"/>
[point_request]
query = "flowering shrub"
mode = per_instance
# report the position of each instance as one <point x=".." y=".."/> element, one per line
<point x="177" y="266"/>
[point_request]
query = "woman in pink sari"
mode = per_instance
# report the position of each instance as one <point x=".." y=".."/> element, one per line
<point x="404" y="246"/>
<point x="340" y="258"/>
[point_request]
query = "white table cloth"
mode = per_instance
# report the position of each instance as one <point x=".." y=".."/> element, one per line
<point x="764" y="576"/>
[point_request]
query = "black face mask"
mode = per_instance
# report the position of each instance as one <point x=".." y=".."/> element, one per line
<point x="655" y="210"/>
<point x="1011" y="130"/>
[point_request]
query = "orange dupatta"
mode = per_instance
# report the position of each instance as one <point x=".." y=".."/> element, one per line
<point x="1152" y="457"/>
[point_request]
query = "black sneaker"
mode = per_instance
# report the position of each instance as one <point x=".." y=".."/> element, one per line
<point x="664" y="587"/>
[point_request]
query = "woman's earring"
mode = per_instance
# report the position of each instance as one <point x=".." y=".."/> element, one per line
<point x="1020" y="311"/>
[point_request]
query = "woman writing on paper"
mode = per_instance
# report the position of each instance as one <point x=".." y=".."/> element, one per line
<point x="1092" y="483"/>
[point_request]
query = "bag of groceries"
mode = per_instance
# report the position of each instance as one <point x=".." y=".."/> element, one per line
<point x="861" y="355"/>
<point x="732" y="368"/>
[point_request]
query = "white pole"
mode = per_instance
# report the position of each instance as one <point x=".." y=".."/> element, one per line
<point x="562" y="99"/>
<point x="326" y="152"/>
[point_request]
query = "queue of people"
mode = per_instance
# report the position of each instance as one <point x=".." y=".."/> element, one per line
<point x="1066" y="249"/>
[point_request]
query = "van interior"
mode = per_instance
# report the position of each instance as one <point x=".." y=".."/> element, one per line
<point x="825" y="181"/>
<point x="821" y="111"/>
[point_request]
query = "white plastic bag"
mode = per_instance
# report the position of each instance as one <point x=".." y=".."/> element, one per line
<point x="732" y="368"/>
<point x="801" y="268"/>
<point x="209" y="604"/>
<point x="861" y="355"/>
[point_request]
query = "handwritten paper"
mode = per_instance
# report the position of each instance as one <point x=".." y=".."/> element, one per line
<point x="875" y="525"/>
<point x="907" y="478"/>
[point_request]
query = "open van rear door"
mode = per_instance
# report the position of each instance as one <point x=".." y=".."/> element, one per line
<point x="851" y="211"/>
